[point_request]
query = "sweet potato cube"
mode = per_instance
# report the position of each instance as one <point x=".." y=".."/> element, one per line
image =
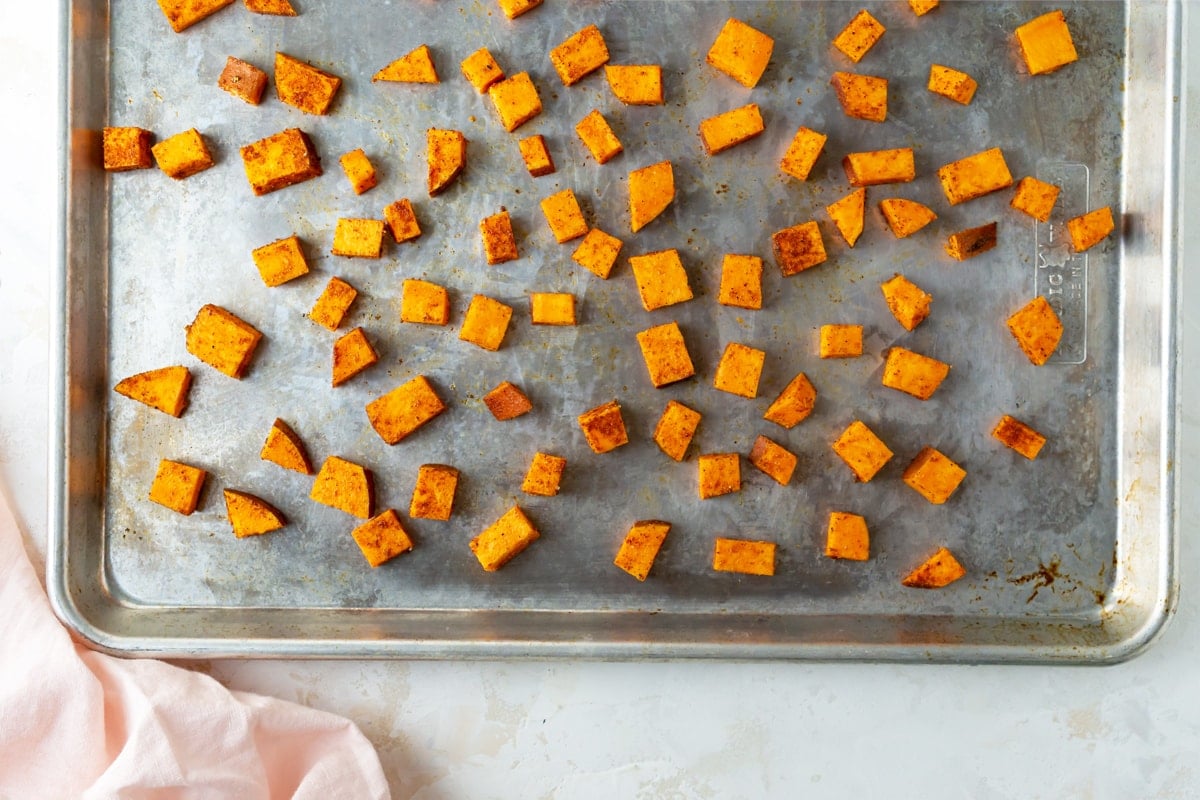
<point x="424" y="303"/>
<point x="640" y="547"/>
<point x="604" y="427"/>
<point x="939" y="570"/>
<point x="741" y="282"/>
<point x="922" y="7"/>
<point x="847" y="537"/>
<point x="564" y="216"/>
<point x="485" y="323"/>
<point x="222" y="340"/>
<point x="863" y="451"/>
<point x="718" y="474"/>
<point x="280" y="261"/>
<point x="908" y="302"/>
<point x="597" y="253"/>
<point x="666" y="354"/>
<point x="1046" y="43"/>
<point x="284" y="447"/>
<point x="504" y="539"/>
<point x="880" y="166"/>
<point x="344" y="485"/>
<point x="243" y="80"/>
<point x="382" y="538"/>
<point x="841" y="341"/>
<point x="433" y="494"/>
<point x="507" y="402"/>
<point x="794" y="403"/>
<point x="799" y="247"/>
<point x="580" y="54"/>
<point x="847" y="214"/>
<point x="359" y="171"/>
<point x="1091" y="228"/>
<point x="516" y="100"/>
<point x="975" y="176"/>
<point x="250" y="515"/>
<point x="1019" y="436"/>
<point x="165" y="389"/>
<point x="536" y="156"/>
<point x="733" y="127"/>
<point x="773" y="459"/>
<point x="515" y="8"/>
<point x="636" y="84"/>
<point x="177" y="486"/>
<point x="913" y="373"/>
<point x="745" y="556"/>
<point x="401" y="411"/>
<point x="413" y="67"/>
<point x="481" y="70"/>
<point x="661" y="279"/>
<point x="352" y="354"/>
<point x="278" y="8"/>
<point x="859" y="36"/>
<point x="1037" y="330"/>
<point x="182" y="14"/>
<point x="358" y="238"/>
<point x="597" y="135"/>
<point x="499" y="243"/>
<point x="446" y="152"/>
<point x="675" y="429"/>
<point x="962" y="245"/>
<point x="905" y="217"/>
<point x="183" y="154"/>
<point x="934" y="476"/>
<point x="741" y="52"/>
<point x="331" y="307"/>
<point x="127" y="148"/>
<point x="544" y="475"/>
<point x="651" y="190"/>
<point x="1035" y="198"/>
<point x="739" y="370"/>
<point x="802" y="153"/>
<point x="861" y="96"/>
<point x="552" y="308"/>
<point x="958" y="86"/>
<point x="303" y="86"/>
<point x="280" y="160"/>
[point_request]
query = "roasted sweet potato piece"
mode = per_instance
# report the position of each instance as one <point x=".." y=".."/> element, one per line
<point x="597" y="253"/>
<point x="182" y="14"/>
<point x="165" y="389"/>
<point x="127" y="148"/>
<point x="746" y="556"/>
<point x="739" y="370"/>
<point x="401" y="411"/>
<point x="848" y="213"/>
<point x="331" y="307"/>
<point x="922" y="7"/>
<point x="552" y="308"/>
<point x="861" y="96"/>
<point x="250" y="515"/>
<point x="666" y="354"/>
<point x="597" y="135"/>
<point x="504" y="539"/>
<point x="847" y="537"/>
<point x="971" y="242"/>
<point x="1035" y="198"/>
<point x="905" y="217"/>
<point x="280" y="160"/>
<point x="939" y="570"/>
<point x="799" y="247"/>
<point x="651" y="190"/>
<point x="352" y="354"/>
<point x="564" y="216"/>
<point x="285" y="448"/>
<point x="640" y="547"/>
<point x="908" y="302"/>
<point x="280" y="261"/>
<point x="859" y="36"/>
<point x="433" y="494"/>
<point x="676" y="429"/>
<point x="579" y="55"/>
<point x="863" y="451"/>
<point x="544" y="475"/>
<point x="1019" y="436"/>
<point x="741" y="282"/>
<point x="481" y="70"/>
<point x="913" y="373"/>
<point x="446" y="152"/>
<point x="222" y="340"/>
<point x="382" y="538"/>
<point x="975" y="176"/>
<point x="841" y="341"/>
<point x="1046" y="43"/>
<point x="718" y="474"/>
<point x="499" y="243"/>
<point x="485" y="322"/>
<point x="358" y="238"/>
<point x="773" y="459"/>
<point x="303" y="86"/>
<point x="636" y="84"/>
<point x="507" y="402"/>
<point x="948" y="82"/>
<point x="516" y="100"/>
<point x="278" y="8"/>
<point x="536" y="156"/>
<point x="515" y="8"/>
<point x="794" y="403"/>
<point x="243" y="80"/>
<point x="802" y="153"/>
<point x="880" y="166"/>
<point x="1037" y="330"/>
<point x="346" y="486"/>
<point x="604" y="427"/>
<point x="402" y="221"/>
<point x="661" y="279"/>
<point x="413" y="67"/>
<point x="741" y="52"/>
<point x="359" y="171"/>
<point x="182" y="155"/>
<point x="723" y="131"/>
<point x="934" y="476"/>
<point x="1090" y="229"/>
<point x="177" y="486"/>
<point x="424" y="303"/>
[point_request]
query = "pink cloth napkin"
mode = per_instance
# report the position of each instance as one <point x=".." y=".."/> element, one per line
<point x="80" y="724"/>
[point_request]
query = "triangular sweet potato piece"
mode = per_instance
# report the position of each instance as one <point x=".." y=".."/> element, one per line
<point x="905" y="217"/>
<point x="651" y="190"/>
<point x="344" y="485"/>
<point x="279" y="8"/>
<point x="285" y="448"/>
<point x="416" y="67"/>
<point x="940" y="569"/>
<point x="847" y="214"/>
<point x="250" y="515"/>
<point x="446" y="152"/>
<point x="165" y="389"/>
<point x="352" y="354"/>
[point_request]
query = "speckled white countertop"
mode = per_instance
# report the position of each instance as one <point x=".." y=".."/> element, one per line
<point x="659" y="730"/>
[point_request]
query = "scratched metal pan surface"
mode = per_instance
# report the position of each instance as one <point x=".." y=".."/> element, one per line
<point x="1069" y="557"/>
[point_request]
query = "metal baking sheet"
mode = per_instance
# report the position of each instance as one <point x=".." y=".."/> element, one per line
<point x="1069" y="557"/>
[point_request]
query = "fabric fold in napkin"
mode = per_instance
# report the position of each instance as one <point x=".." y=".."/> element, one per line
<point x="80" y="724"/>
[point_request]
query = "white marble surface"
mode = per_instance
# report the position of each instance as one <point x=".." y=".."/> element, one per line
<point x="658" y="730"/>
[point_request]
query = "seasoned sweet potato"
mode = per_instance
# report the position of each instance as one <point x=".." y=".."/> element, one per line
<point x="939" y="570"/>
<point x="504" y="539"/>
<point x="250" y="515"/>
<point x="382" y="538"/>
<point x="346" y="486"/>
<point x="285" y="448"/>
<point x="640" y="547"/>
<point x="280" y="160"/>
<point x="165" y="389"/>
<point x="413" y="67"/>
